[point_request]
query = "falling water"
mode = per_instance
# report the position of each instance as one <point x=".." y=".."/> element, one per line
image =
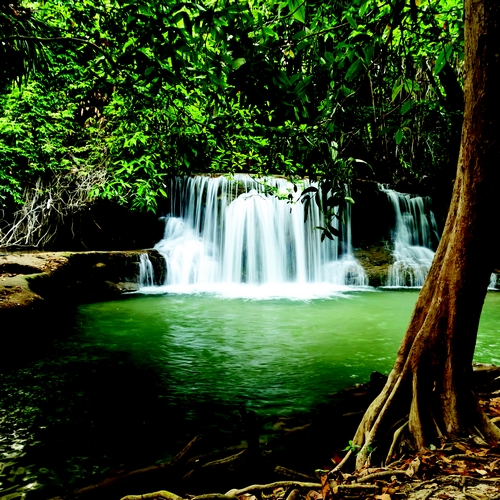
<point x="228" y="236"/>
<point x="493" y="282"/>
<point x="146" y="271"/>
<point x="413" y="237"/>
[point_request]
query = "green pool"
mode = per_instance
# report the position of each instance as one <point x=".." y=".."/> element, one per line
<point x="135" y="379"/>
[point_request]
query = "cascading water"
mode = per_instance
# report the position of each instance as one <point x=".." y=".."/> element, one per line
<point x="414" y="236"/>
<point x="228" y="236"/>
<point x="493" y="282"/>
<point x="146" y="271"/>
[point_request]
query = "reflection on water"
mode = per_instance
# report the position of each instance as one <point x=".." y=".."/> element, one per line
<point x="135" y="379"/>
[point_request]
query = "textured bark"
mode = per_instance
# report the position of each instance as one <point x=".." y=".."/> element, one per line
<point x="430" y="383"/>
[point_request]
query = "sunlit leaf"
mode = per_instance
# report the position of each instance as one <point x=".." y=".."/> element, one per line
<point x="396" y="90"/>
<point x="237" y="63"/>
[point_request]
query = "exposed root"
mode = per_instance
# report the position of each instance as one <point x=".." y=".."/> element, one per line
<point x="48" y="205"/>
<point x="283" y="471"/>
<point x="470" y="458"/>
<point x="181" y="457"/>
<point x="270" y="486"/>
<point x="408" y="482"/>
<point x="294" y="495"/>
<point x="351" y="487"/>
<point x="395" y="441"/>
<point x="384" y="473"/>
<point x="343" y="462"/>
<point x="153" y="496"/>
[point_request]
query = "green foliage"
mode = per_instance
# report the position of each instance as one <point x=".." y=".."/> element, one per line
<point x="352" y="447"/>
<point x="146" y="90"/>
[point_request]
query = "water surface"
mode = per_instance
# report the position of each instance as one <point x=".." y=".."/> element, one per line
<point x="135" y="379"/>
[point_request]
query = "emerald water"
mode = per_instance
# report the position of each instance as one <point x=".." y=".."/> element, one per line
<point x="133" y="380"/>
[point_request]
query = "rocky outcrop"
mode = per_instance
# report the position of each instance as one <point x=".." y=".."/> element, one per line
<point x="35" y="284"/>
<point x="375" y="260"/>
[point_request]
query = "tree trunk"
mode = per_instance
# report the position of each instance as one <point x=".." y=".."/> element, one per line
<point x="429" y="387"/>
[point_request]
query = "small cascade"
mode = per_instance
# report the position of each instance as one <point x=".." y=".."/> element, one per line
<point x="414" y="236"/>
<point x="146" y="271"/>
<point x="493" y="282"/>
<point x="223" y="233"/>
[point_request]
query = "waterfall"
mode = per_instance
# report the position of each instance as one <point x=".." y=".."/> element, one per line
<point x="413" y="236"/>
<point x="229" y="236"/>
<point x="493" y="282"/>
<point x="146" y="271"/>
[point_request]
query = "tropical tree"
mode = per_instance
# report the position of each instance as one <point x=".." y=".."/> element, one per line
<point x="429" y="390"/>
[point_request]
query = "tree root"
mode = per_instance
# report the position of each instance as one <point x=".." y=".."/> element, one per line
<point x="228" y="461"/>
<point x="283" y="471"/>
<point x="342" y="463"/>
<point x="470" y="458"/>
<point x="181" y="457"/>
<point x="395" y="441"/>
<point x="153" y="496"/>
<point x="277" y="484"/>
<point x="294" y="495"/>
<point x="350" y="487"/>
<point x="212" y="496"/>
<point x="384" y="473"/>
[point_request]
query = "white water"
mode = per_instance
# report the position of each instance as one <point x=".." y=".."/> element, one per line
<point x="493" y="282"/>
<point x="413" y="237"/>
<point x="230" y="238"/>
<point x="146" y="271"/>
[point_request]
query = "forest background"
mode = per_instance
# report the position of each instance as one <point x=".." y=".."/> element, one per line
<point x="103" y="101"/>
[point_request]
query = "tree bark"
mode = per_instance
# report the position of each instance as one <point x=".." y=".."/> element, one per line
<point x="430" y="383"/>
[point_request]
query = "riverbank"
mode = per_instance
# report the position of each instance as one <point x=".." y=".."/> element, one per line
<point x="459" y="469"/>
<point x="31" y="282"/>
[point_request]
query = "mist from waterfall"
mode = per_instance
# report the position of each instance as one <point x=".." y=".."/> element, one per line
<point x="228" y="236"/>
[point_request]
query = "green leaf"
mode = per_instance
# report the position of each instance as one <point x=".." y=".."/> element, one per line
<point x="443" y="58"/>
<point x="363" y="8"/>
<point x="354" y="70"/>
<point x="406" y="107"/>
<point x="368" y="51"/>
<point x="298" y="13"/>
<point x="399" y="136"/>
<point x="311" y="189"/>
<point x="333" y="231"/>
<point x="349" y="200"/>
<point x="129" y="42"/>
<point x="396" y="90"/>
<point x="237" y="63"/>
<point x="351" y="21"/>
<point x="268" y="32"/>
<point x="145" y="10"/>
